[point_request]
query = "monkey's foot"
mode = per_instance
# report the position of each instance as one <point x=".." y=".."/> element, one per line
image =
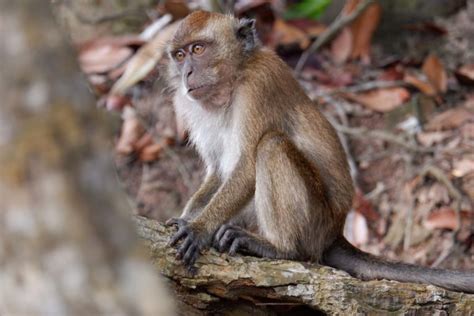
<point x="234" y="239"/>
<point x="192" y="242"/>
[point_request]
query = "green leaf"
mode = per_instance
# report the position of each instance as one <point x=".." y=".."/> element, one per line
<point x="307" y="9"/>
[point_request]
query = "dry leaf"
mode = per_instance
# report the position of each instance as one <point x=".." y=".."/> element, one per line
<point x="177" y="8"/>
<point x="363" y="206"/>
<point x="145" y="60"/>
<point x="285" y="34"/>
<point x="381" y="100"/>
<point x="421" y="85"/>
<point x="465" y="74"/>
<point x="131" y="132"/>
<point x="428" y="139"/>
<point x="363" y="29"/>
<point x="392" y="73"/>
<point x="116" y="102"/>
<point x="450" y="119"/>
<point x="434" y="70"/>
<point x="467" y="131"/>
<point x="151" y="153"/>
<point x="445" y="218"/>
<point x="463" y="167"/>
<point x="103" y="58"/>
<point x="312" y="28"/>
<point x="356" y="229"/>
<point x="143" y="142"/>
<point x="341" y="46"/>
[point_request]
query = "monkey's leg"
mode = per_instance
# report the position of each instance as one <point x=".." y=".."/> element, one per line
<point x="287" y="190"/>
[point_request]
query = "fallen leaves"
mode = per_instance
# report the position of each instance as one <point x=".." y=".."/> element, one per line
<point x="463" y="167"/>
<point x="341" y="46"/>
<point x="356" y="230"/>
<point x="434" y="80"/>
<point x="363" y="29"/>
<point x="135" y="139"/>
<point x="145" y="60"/>
<point x="285" y="34"/>
<point x="132" y="130"/>
<point x="103" y="57"/>
<point x="434" y="70"/>
<point x="381" y="100"/>
<point x="354" y="41"/>
<point x="450" y="119"/>
<point x="445" y="218"/>
<point x="465" y="74"/>
<point x="420" y="84"/>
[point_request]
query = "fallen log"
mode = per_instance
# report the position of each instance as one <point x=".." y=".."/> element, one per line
<point x="249" y="284"/>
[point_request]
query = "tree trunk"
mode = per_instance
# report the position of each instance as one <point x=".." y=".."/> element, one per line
<point x="67" y="246"/>
<point x="247" y="285"/>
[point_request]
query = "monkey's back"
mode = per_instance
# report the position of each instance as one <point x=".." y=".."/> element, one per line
<point x="288" y="109"/>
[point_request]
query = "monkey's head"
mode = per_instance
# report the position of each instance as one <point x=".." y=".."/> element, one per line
<point x="206" y="53"/>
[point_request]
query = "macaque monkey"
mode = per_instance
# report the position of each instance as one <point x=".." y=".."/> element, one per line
<point x="277" y="182"/>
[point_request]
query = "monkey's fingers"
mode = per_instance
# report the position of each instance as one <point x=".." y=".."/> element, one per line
<point x="184" y="247"/>
<point x="221" y="231"/>
<point x="178" y="236"/>
<point x="227" y="240"/>
<point x="191" y="255"/>
<point x="175" y="221"/>
<point x="237" y="245"/>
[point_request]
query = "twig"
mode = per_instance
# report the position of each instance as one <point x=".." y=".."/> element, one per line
<point x="371" y="85"/>
<point x="340" y="22"/>
<point x="384" y="135"/>
<point x="366" y="86"/>
<point x="345" y="143"/>
<point x="456" y="195"/>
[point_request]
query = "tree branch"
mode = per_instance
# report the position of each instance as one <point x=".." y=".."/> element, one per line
<point x="281" y="283"/>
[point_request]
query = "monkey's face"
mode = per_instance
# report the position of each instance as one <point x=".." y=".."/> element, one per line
<point x="199" y="69"/>
<point x="205" y="54"/>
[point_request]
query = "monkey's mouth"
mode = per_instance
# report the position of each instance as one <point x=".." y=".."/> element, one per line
<point x="199" y="92"/>
<point x="192" y="89"/>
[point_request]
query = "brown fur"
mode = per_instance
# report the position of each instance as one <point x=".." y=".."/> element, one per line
<point x="278" y="182"/>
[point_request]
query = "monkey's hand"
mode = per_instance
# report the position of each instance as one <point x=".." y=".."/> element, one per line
<point x="177" y="221"/>
<point x="193" y="241"/>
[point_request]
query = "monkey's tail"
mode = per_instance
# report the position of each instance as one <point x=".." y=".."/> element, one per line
<point x="342" y="255"/>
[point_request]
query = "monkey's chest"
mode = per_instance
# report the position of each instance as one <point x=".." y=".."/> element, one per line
<point x="215" y="136"/>
<point x="219" y="149"/>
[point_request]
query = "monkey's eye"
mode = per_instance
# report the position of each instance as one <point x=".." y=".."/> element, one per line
<point x="179" y="55"/>
<point x="198" y="49"/>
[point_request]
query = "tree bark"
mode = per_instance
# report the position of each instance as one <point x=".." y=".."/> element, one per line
<point x="273" y="286"/>
<point x="67" y="245"/>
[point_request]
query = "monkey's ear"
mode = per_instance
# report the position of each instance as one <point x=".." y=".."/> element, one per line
<point x="247" y="33"/>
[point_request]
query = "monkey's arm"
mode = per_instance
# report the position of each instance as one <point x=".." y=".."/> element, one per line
<point x="202" y="196"/>
<point x="233" y="194"/>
